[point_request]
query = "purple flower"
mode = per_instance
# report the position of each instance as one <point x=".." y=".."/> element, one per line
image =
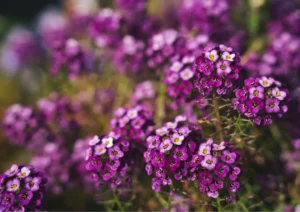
<point x="233" y="186"/>
<point x="165" y="146"/>
<point x="158" y="159"/>
<point x="221" y="170"/>
<point x="115" y="152"/>
<point x="156" y="184"/>
<point x="7" y="200"/>
<point x="266" y="82"/>
<point x="153" y="142"/>
<point x="196" y="160"/>
<point x="272" y="105"/>
<point x="209" y="162"/>
<point x="256" y="92"/>
<point x="177" y="139"/>
<point x="33" y="184"/>
<point x="205" y="177"/>
<point x="255" y="105"/>
<point x="223" y="67"/>
<point x="100" y="149"/>
<point x="180" y="153"/>
<point x="172" y="163"/>
<point x="204" y="149"/>
<point x="12" y="170"/>
<point x="13" y="185"/>
<point x="228" y="157"/>
<point x="278" y="93"/>
<point x="93" y="163"/>
<point x="219" y="147"/>
<point x="24" y="197"/>
<point x="24" y="172"/>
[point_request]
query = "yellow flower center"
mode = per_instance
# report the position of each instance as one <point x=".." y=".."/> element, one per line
<point x="211" y="56"/>
<point x="176" y="140"/>
<point x="209" y="162"/>
<point x="278" y="94"/>
<point x="23" y="174"/>
<point x="256" y="92"/>
<point x="205" y="151"/>
<point x="14" y="186"/>
<point x="265" y="82"/>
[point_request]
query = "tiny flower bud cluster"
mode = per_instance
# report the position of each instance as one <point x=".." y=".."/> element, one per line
<point x="172" y="154"/>
<point x="76" y="58"/>
<point x="259" y="98"/>
<point x="217" y="69"/>
<point x="22" y="188"/>
<point x="163" y="46"/>
<point x="107" y="160"/>
<point x="219" y="168"/>
<point x="130" y="55"/>
<point x="133" y="123"/>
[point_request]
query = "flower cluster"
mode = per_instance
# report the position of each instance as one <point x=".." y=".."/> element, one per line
<point x="71" y="53"/>
<point x="22" y="188"/>
<point x="53" y="28"/>
<point x="280" y="58"/>
<point x="261" y="97"/>
<point x="143" y="93"/>
<point x="60" y="110"/>
<point x="107" y="160"/>
<point x="19" y="123"/>
<point x="19" y="49"/>
<point x="133" y="123"/>
<point x="172" y="153"/>
<point x="130" y="55"/>
<point x="54" y="160"/>
<point x="217" y="69"/>
<point x="163" y="46"/>
<point x="180" y="75"/>
<point x="220" y="168"/>
<point x="105" y="27"/>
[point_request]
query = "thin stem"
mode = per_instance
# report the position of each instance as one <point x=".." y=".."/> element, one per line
<point x="242" y="206"/>
<point x="219" y="205"/>
<point x="218" y="117"/>
<point x="118" y="202"/>
<point x="160" y="107"/>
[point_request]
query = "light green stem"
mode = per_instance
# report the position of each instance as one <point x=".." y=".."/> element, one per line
<point x="218" y="117"/>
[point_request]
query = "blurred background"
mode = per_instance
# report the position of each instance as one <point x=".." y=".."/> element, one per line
<point x="84" y="104"/>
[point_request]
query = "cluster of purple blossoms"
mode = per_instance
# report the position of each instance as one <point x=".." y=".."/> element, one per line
<point x="163" y="46"/>
<point x="60" y="110"/>
<point x="19" y="123"/>
<point x="71" y="53"/>
<point x="280" y="58"/>
<point x="261" y="97"/>
<point x="54" y="160"/>
<point x="134" y="123"/>
<point x="105" y="27"/>
<point x="22" y="188"/>
<point x="172" y="153"/>
<point x="107" y="160"/>
<point x="208" y="16"/>
<point x="19" y="50"/>
<point x="130" y="55"/>
<point x="220" y="168"/>
<point x="217" y="69"/>
<point x="143" y="91"/>
<point x="53" y="28"/>
<point x="180" y="75"/>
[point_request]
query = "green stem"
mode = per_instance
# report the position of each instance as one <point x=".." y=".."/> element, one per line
<point x="218" y="117"/>
<point x="243" y="206"/>
<point x="219" y="205"/>
<point x="118" y="202"/>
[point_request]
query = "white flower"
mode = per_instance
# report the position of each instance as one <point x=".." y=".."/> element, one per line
<point x="176" y="66"/>
<point x="132" y="113"/>
<point x="158" y="42"/>
<point x="228" y="56"/>
<point x="278" y="93"/>
<point x="94" y="140"/>
<point x="186" y="74"/>
<point x="108" y="142"/>
<point x="212" y="55"/>
<point x="266" y="82"/>
<point x="224" y="48"/>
